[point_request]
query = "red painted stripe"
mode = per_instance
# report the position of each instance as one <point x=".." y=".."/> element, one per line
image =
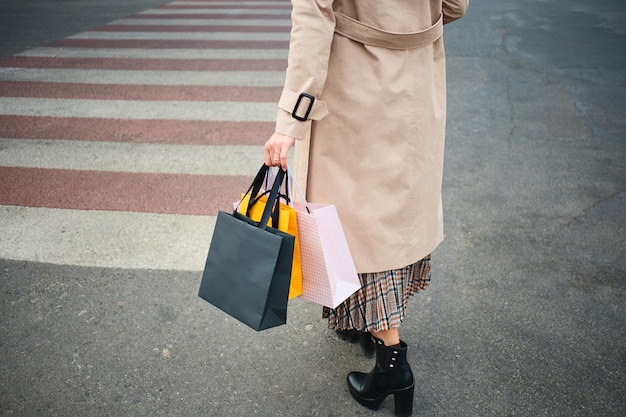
<point x="183" y="132"/>
<point x="168" y="43"/>
<point x="135" y="92"/>
<point x="120" y="191"/>
<point x="138" y="92"/>
<point x="146" y="64"/>
<point x="190" y="28"/>
<point x="208" y="16"/>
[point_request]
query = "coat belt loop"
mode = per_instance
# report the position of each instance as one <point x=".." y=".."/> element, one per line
<point x="370" y="35"/>
<point x="289" y="99"/>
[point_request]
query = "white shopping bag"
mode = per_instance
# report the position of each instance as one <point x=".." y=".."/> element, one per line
<point x="328" y="272"/>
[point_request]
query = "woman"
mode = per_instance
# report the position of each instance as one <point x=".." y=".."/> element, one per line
<point x="364" y="103"/>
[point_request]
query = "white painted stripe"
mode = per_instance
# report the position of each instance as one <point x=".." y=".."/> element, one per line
<point x="131" y="157"/>
<point x="157" y="53"/>
<point x="203" y="22"/>
<point x="229" y="3"/>
<point x="143" y="110"/>
<point x="170" y="78"/>
<point x="204" y="36"/>
<point x="233" y="11"/>
<point x="105" y="239"/>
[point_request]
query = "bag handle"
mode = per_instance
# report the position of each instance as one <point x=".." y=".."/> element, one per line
<point x="269" y="179"/>
<point x="276" y="213"/>
<point x="257" y="183"/>
<point x="263" y="175"/>
<point x="287" y="196"/>
<point x="272" y="205"/>
<point x="293" y="179"/>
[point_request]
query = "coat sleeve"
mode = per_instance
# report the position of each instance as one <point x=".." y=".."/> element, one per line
<point x="453" y="10"/>
<point x="312" y="28"/>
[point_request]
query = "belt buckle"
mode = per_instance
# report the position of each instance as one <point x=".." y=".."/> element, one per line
<point x="308" y="110"/>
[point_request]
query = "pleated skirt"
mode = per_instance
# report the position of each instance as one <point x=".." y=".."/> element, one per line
<point x="381" y="302"/>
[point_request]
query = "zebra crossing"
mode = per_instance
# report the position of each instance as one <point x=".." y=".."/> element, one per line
<point x="118" y="145"/>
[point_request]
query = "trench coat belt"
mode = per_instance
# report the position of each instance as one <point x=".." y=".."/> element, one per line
<point x="370" y="35"/>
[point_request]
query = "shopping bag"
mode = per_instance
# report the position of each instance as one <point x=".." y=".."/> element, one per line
<point x="248" y="267"/>
<point x="285" y="220"/>
<point x="328" y="272"/>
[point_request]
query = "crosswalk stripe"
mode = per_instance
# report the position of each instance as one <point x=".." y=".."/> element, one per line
<point x="196" y="21"/>
<point x="163" y="35"/>
<point x="215" y="11"/>
<point x="225" y="4"/>
<point x="135" y="92"/>
<point x="255" y="3"/>
<point x="121" y="109"/>
<point x="238" y="160"/>
<point x="198" y="195"/>
<point x="149" y="64"/>
<point x="164" y="53"/>
<point x="171" y="78"/>
<point x="167" y="27"/>
<point x="183" y="132"/>
<point x="211" y="14"/>
<point x="158" y="43"/>
<point x="105" y="239"/>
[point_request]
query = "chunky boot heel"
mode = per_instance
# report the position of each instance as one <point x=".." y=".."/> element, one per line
<point x="403" y="401"/>
<point x="391" y="375"/>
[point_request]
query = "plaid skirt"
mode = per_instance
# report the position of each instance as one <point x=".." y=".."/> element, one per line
<point x="381" y="301"/>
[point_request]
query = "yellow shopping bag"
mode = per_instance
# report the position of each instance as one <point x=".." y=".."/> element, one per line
<point x="286" y="223"/>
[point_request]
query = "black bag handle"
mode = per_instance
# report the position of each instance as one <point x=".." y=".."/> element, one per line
<point x="254" y="189"/>
<point x="257" y="183"/>
<point x="272" y="204"/>
<point x="275" y="213"/>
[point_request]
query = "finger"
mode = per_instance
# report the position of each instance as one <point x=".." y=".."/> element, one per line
<point x="283" y="159"/>
<point x="268" y="158"/>
<point x="277" y="156"/>
<point x="270" y="147"/>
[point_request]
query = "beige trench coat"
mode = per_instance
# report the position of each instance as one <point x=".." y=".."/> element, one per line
<point x="372" y="142"/>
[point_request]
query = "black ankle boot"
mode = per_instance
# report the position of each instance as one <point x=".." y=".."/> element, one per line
<point x="367" y="344"/>
<point x="364" y="338"/>
<point x="391" y="375"/>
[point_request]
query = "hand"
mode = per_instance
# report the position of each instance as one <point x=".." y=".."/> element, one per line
<point x="276" y="150"/>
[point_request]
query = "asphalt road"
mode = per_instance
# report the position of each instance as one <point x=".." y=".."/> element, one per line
<point x="526" y="312"/>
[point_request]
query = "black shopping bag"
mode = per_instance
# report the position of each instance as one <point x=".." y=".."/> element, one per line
<point x="248" y="268"/>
